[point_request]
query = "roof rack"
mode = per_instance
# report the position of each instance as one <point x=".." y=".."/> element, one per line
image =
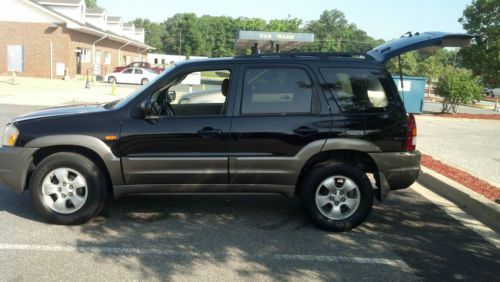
<point x="321" y="55"/>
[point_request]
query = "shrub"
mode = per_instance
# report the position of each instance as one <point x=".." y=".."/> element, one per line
<point x="458" y="86"/>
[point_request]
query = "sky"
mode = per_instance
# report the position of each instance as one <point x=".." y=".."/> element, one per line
<point x="381" y="19"/>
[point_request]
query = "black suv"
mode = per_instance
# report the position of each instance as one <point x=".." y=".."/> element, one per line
<point x="329" y="128"/>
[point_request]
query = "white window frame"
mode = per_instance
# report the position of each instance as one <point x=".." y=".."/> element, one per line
<point x="85" y="55"/>
<point x="107" y="58"/>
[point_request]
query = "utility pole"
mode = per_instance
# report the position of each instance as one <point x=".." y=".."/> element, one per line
<point x="180" y="43"/>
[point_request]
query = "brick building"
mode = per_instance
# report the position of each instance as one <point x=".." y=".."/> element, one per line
<point x="46" y="38"/>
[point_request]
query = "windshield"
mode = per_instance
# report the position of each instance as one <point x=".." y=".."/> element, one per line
<point x="120" y="103"/>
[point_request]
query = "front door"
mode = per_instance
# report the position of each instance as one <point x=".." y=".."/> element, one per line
<point x="188" y="142"/>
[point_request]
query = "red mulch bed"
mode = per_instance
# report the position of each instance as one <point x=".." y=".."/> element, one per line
<point x="480" y="186"/>
<point x="469" y="116"/>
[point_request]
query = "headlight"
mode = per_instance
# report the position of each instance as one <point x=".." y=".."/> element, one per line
<point x="10" y="135"/>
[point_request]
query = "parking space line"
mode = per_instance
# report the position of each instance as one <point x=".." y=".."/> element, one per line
<point x="452" y="210"/>
<point x="400" y="264"/>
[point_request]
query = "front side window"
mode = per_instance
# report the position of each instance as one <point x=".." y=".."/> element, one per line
<point x="356" y="90"/>
<point x="128" y="71"/>
<point x="276" y="91"/>
<point x="200" y="93"/>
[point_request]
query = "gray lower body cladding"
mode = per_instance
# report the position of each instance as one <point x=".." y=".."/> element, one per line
<point x="15" y="163"/>
<point x="397" y="170"/>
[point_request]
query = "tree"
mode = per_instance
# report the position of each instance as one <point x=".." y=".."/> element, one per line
<point x="183" y="35"/>
<point x="154" y="33"/>
<point x="409" y="64"/>
<point x="333" y="33"/>
<point x="91" y="4"/>
<point x="482" y="19"/>
<point x="458" y="86"/>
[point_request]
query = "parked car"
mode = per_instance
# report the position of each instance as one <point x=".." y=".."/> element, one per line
<point x="132" y="76"/>
<point x="493" y="92"/>
<point x="205" y="96"/>
<point x="144" y="65"/>
<point x="326" y="127"/>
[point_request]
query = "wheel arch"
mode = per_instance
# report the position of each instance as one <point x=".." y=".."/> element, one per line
<point x="88" y="146"/>
<point x="357" y="158"/>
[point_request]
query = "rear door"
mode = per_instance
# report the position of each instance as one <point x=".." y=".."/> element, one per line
<point x="417" y="41"/>
<point x="278" y="112"/>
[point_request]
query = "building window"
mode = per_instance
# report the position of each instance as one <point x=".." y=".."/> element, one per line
<point x="156" y="61"/>
<point x="15" y="55"/>
<point x="85" y="55"/>
<point x="107" y="58"/>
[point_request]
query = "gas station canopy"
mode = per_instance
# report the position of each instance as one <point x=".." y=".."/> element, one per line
<point x="272" y="41"/>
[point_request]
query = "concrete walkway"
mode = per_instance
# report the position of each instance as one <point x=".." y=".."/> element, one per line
<point x="45" y="92"/>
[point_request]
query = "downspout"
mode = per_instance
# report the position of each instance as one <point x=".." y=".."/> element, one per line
<point x="120" y="52"/>
<point x="93" y="52"/>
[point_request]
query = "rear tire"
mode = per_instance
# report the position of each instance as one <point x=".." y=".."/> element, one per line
<point x="67" y="189"/>
<point x="111" y="79"/>
<point x="336" y="196"/>
<point x="144" y="81"/>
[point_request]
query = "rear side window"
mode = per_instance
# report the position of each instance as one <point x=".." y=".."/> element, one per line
<point x="276" y="91"/>
<point x="356" y="90"/>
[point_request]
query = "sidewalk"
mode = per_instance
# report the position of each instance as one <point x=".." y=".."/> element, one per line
<point x="46" y="92"/>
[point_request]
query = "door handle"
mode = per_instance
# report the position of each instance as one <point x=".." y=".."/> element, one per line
<point x="208" y="131"/>
<point x="304" y="130"/>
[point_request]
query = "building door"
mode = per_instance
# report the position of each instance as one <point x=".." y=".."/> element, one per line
<point x="79" y="61"/>
<point x="97" y="63"/>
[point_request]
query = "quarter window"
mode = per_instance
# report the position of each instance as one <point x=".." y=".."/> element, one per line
<point x="356" y="90"/>
<point x="276" y="91"/>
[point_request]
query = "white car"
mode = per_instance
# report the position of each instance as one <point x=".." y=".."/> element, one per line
<point x="131" y="75"/>
<point x="493" y="92"/>
<point x="200" y="97"/>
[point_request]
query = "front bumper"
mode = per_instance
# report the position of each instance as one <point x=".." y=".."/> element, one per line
<point x="397" y="170"/>
<point x="14" y="165"/>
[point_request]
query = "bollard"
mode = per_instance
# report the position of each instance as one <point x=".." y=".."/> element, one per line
<point x="14" y="78"/>
<point x="113" y="89"/>
<point x="497" y="108"/>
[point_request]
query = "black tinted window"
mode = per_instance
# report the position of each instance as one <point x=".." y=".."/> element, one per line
<point x="128" y="71"/>
<point x="276" y="91"/>
<point x="356" y="90"/>
<point x="138" y="71"/>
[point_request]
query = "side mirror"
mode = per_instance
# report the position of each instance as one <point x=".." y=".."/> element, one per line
<point x="146" y="108"/>
<point x="171" y="95"/>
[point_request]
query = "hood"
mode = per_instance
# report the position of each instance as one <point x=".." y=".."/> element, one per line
<point x="61" y="111"/>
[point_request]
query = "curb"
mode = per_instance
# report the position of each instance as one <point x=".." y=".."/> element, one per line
<point x="484" y="210"/>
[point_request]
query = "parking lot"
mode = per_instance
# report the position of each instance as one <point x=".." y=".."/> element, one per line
<point x="245" y="237"/>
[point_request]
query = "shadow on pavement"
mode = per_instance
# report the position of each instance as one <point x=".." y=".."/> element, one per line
<point x="241" y="232"/>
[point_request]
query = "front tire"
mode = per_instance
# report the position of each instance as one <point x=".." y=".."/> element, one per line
<point x="67" y="189"/>
<point x="111" y="79"/>
<point x="336" y="196"/>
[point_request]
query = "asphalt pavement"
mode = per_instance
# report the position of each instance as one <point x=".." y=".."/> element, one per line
<point x="470" y="144"/>
<point x="245" y="237"/>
